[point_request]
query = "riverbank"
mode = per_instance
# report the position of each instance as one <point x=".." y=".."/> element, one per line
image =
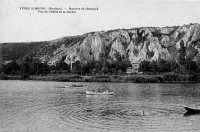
<point x="166" y="78"/>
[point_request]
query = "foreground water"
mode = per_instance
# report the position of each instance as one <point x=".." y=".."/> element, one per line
<point x="38" y="106"/>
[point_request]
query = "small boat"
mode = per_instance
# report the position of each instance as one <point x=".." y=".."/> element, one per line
<point x="99" y="93"/>
<point x="66" y="86"/>
<point x="75" y="85"/>
<point x="191" y="110"/>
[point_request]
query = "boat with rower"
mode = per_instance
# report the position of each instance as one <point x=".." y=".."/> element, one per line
<point x="99" y="93"/>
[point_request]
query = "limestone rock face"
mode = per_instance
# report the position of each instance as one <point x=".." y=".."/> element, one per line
<point x="137" y="52"/>
<point x="158" y="50"/>
<point x="86" y="54"/>
<point x="99" y="43"/>
<point x="147" y="32"/>
<point x="134" y="34"/>
<point x="190" y="35"/>
<point x="123" y="35"/>
<point x="93" y="48"/>
<point x="58" y="54"/>
<point x="146" y="43"/>
<point x="149" y="50"/>
<point x="73" y="54"/>
<point x="116" y="46"/>
<point x="166" y="30"/>
<point x="196" y="34"/>
<point x="165" y="41"/>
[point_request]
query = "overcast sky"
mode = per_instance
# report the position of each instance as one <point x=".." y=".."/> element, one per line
<point x="21" y="26"/>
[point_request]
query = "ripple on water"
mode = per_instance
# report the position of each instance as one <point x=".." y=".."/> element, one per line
<point x="70" y="109"/>
<point x="115" y="115"/>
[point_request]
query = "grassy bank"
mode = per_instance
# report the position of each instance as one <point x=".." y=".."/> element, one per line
<point x="166" y="78"/>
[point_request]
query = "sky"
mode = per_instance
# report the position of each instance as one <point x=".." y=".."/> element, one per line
<point x="17" y="25"/>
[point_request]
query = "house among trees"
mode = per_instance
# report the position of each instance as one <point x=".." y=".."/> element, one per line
<point x="129" y="70"/>
<point x="134" y="68"/>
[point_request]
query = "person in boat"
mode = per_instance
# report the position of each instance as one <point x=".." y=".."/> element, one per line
<point x="106" y="91"/>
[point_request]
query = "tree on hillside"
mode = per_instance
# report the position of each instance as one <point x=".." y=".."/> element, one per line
<point x="10" y="68"/>
<point x="164" y="66"/>
<point x="24" y="68"/>
<point x="145" y="66"/>
<point x="154" y="66"/>
<point x="191" y="66"/>
<point x="77" y="67"/>
<point x="88" y="67"/>
<point x="62" y="65"/>
<point x="121" y="63"/>
<point x="182" y="53"/>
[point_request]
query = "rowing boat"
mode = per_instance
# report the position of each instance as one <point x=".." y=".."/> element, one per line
<point x="99" y="93"/>
<point x="75" y="85"/>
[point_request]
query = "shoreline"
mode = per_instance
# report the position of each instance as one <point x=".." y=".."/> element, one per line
<point x="166" y="78"/>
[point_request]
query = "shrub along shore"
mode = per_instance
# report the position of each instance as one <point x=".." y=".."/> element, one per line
<point x="144" y="78"/>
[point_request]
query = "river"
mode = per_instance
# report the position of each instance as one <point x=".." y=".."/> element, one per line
<point x="45" y="106"/>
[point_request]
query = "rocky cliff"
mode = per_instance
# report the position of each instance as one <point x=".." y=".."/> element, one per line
<point x="137" y="44"/>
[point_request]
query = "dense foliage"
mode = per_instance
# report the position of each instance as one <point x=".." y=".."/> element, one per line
<point x="104" y="67"/>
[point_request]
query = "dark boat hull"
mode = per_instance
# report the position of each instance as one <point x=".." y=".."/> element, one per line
<point x="192" y="110"/>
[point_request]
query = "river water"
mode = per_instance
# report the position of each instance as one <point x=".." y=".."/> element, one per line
<point x="38" y="106"/>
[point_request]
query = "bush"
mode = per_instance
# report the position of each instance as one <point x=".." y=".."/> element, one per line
<point x="65" y="72"/>
<point x="3" y="77"/>
<point x="59" y="72"/>
<point x="24" y="76"/>
<point x="15" y="72"/>
<point x="170" y="77"/>
<point x="53" y="72"/>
